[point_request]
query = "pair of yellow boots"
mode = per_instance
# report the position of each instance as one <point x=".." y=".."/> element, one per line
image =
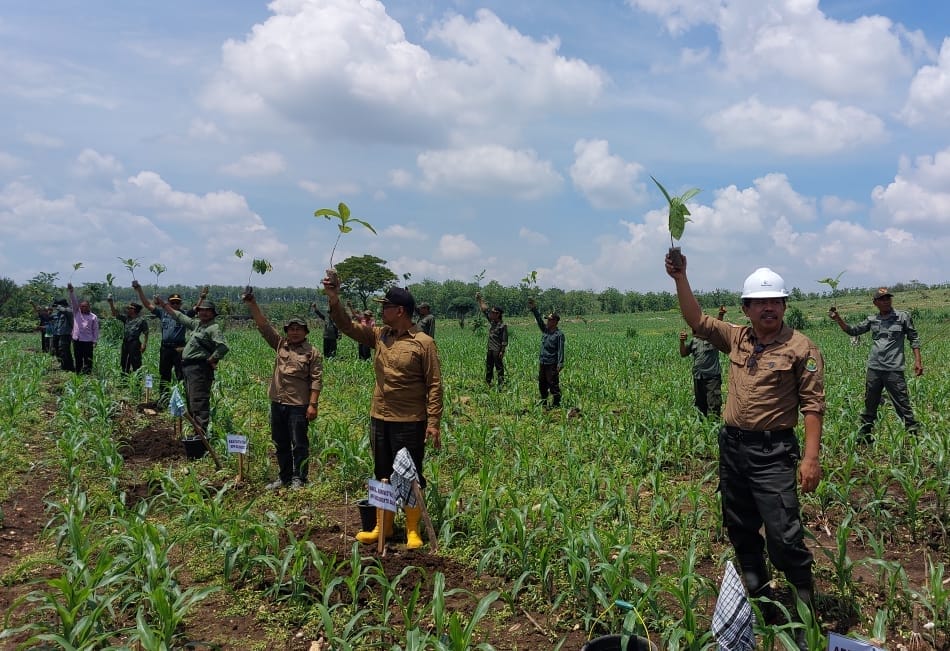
<point x="384" y="522"/>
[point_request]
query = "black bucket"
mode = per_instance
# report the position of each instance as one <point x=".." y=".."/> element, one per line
<point x="612" y="643"/>
<point x="367" y="515"/>
<point x="194" y="447"/>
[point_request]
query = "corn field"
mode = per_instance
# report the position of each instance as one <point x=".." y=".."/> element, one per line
<point x="557" y="514"/>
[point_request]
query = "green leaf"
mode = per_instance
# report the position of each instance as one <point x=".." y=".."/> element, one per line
<point x="663" y="190"/>
<point x="344" y="212"/>
<point x="345" y="229"/>
<point x="77" y="266"/>
<point x="239" y="253"/>
<point x="326" y="213"/>
<point x="366" y="224"/>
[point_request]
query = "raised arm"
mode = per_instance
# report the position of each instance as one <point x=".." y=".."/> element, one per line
<point x="138" y="290"/>
<point x="689" y="306"/>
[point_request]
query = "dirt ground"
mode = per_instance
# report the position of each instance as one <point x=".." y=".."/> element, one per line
<point x="212" y="628"/>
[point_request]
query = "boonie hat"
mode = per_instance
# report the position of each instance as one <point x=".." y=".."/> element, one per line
<point x="297" y="321"/>
<point x="207" y="305"/>
<point x="880" y="292"/>
<point x="398" y="296"/>
<point x="424" y="305"/>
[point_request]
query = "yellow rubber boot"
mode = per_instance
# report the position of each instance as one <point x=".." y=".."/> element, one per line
<point x="413" y="513"/>
<point x="384" y="521"/>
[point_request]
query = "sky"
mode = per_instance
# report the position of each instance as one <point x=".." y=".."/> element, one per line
<point x="491" y="135"/>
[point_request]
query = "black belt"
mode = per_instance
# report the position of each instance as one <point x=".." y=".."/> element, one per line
<point x="759" y="435"/>
<point x="193" y="362"/>
<point x="172" y="345"/>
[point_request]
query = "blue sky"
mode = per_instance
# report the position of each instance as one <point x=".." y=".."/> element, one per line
<point x="496" y="135"/>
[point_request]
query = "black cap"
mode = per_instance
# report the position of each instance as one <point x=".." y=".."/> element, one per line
<point x="399" y="296"/>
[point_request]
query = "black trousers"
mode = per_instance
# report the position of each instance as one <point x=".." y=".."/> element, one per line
<point x="130" y="358"/>
<point x="63" y="347"/>
<point x="198" y="380"/>
<point x="896" y="385"/>
<point x="329" y="347"/>
<point x="549" y="381"/>
<point x="388" y="438"/>
<point x="758" y="480"/>
<point x="494" y="361"/>
<point x="169" y="359"/>
<point x="289" y="430"/>
<point x="708" y="394"/>
<point x="83" y="352"/>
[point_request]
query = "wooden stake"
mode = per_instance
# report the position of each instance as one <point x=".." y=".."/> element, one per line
<point x="381" y="519"/>
<point x="421" y="503"/>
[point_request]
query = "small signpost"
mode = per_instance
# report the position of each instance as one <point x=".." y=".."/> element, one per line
<point x="237" y="444"/>
<point x="148" y="387"/>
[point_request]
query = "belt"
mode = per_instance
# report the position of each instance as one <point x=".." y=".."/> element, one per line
<point x="759" y="435"/>
<point x="193" y="362"/>
<point x="171" y="344"/>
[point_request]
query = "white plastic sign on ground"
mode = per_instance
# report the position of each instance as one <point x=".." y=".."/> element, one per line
<point x="381" y="495"/>
<point x="841" y="643"/>
<point x="237" y="444"/>
<point x="148" y="381"/>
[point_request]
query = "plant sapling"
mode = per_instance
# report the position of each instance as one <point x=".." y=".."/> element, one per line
<point x="833" y="283"/>
<point x="342" y="214"/>
<point x="677" y="219"/>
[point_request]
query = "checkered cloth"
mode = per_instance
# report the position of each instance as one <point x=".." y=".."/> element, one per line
<point x="404" y="473"/>
<point x="733" y="619"/>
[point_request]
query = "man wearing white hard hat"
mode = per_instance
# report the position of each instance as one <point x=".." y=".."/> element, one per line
<point x="774" y="372"/>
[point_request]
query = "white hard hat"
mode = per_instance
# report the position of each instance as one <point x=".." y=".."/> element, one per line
<point x="764" y="283"/>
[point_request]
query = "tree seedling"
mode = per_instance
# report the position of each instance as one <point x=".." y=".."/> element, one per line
<point x="130" y="264"/>
<point x="258" y="265"/>
<point x="342" y="214"/>
<point x="833" y="283"/>
<point x="678" y="216"/>
<point x="157" y="269"/>
<point x="76" y="267"/>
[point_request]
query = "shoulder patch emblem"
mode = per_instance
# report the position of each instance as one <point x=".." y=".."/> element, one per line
<point x="811" y="364"/>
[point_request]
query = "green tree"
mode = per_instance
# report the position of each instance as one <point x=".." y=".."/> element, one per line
<point x="611" y="301"/>
<point x="461" y="307"/>
<point x="365" y="275"/>
<point x="94" y="291"/>
<point x="8" y="289"/>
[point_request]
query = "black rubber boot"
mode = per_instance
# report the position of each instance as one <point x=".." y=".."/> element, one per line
<point x="755" y="575"/>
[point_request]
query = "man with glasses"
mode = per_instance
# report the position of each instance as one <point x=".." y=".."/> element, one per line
<point x="173" y="339"/>
<point x="774" y="372"/>
<point x="889" y="330"/>
<point x="407" y="400"/>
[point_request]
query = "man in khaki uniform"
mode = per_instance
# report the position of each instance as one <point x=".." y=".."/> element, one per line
<point x="774" y="372"/>
<point x="294" y="394"/>
<point x="407" y="399"/>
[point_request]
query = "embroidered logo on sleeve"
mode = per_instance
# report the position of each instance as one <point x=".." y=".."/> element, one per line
<point x="811" y="364"/>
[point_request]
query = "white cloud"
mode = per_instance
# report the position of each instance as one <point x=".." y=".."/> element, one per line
<point x="42" y="140"/>
<point x="400" y="232"/>
<point x="929" y="96"/>
<point x="457" y="247"/>
<point x="266" y="163"/>
<point x="490" y="170"/>
<point x="330" y="190"/>
<point x="346" y="69"/>
<point x="680" y="15"/>
<point x="919" y="196"/>
<point x="608" y="181"/>
<point x="9" y="162"/>
<point x="400" y="178"/>
<point x="824" y="128"/>
<point x="91" y="163"/>
<point x="838" y="207"/>
<point x="200" y="129"/>
<point x="533" y="237"/>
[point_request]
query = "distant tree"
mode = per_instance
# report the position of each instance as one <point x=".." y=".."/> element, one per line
<point x="7" y="290"/>
<point x="95" y="292"/>
<point x="611" y="301"/>
<point x="461" y="307"/>
<point x="795" y="318"/>
<point x="364" y="276"/>
<point x="41" y="288"/>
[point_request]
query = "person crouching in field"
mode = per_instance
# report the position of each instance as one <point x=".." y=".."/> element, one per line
<point x="294" y="394"/>
<point x="407" y="400"/>
<point x="204" y="348"/>
<point x="707" y="374"/>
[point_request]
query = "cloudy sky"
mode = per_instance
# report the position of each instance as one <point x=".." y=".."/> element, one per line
<point x="502" y="135"/>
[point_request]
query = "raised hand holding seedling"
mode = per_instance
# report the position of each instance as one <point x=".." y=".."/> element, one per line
<point x="677" y="219"/>
<point x="833" y="283"/>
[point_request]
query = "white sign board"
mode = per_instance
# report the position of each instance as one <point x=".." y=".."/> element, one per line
<point x="148" y="381"/>
<point x="841" y="643"/>
<point x="381" y="495"/>
<point x="237" y="444"/>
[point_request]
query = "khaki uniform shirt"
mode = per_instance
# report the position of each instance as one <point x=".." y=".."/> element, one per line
<point x="298" y="370"/>
<point x="786" y="377"/>
<point x="705" y="359"/>
<point x="408" y="376"/>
